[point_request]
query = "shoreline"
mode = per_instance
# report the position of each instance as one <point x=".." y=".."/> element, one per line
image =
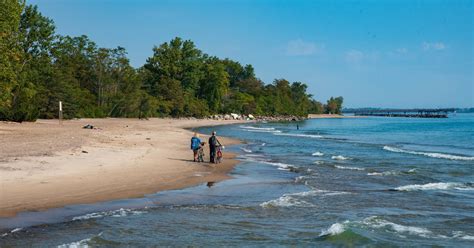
<point x="332" y="116"/>
<point x="45" y="165"/>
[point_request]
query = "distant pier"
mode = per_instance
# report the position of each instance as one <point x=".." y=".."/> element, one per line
<point x="413" y="113"/>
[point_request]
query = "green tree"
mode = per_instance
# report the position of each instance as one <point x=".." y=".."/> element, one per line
<point x="215" y="84"/>
<point x="10" y="57"/>
<point x="39" y="68"/>
<point x="37" y="36"/>
<point x="283" y="96"/>
<point x="316" y="107"/>
<point x="174" y="68"/>
<point x="334" y="105"/>
<point x="300" y="98"/>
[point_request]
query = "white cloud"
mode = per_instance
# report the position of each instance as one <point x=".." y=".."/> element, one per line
<point x="302" y="48"/>
<point x="354" y="56"/>
<point x="437" y="46"/>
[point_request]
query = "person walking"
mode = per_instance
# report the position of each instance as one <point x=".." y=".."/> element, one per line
<point x="195" y="145"/>
<point x="213" y="143"/>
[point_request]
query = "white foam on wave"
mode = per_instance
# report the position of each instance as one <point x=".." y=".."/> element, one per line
<point x="246" y="150"/>
<point x="435" y="186"/>
<point x="391" y="173"/>
<point x="339" y="157"/>
<point x="300" y="135"/>
<point x="294" y="199"/>
<point x="318" y="154"/>
<point x="78" y="244"/>
<point x="429" y="154"/>
<point x="318" y="162"/>
<point x="348" y="168"/>
<point x="115" y="213"/>
<point x="376" y="222"/>
<point x="258" y="128"/>
<point x="12" y="231"/>
<point x="300" y="179"/>
<point x="263" y="131"/>
<point x="383" y="173"/>
<point x="462" y="235"/>
<point x="286" y="201"/>
<point x="281" y="166"/>
<point x="334" y="229"/>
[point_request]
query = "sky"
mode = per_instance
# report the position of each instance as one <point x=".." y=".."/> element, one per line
<point x="391" y="54"/>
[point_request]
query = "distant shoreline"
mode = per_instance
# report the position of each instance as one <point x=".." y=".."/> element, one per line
<point x="46" y="165"/>
<point x="331" y="116"/>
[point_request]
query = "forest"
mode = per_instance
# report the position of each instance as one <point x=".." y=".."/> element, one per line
<point x="39" y="68"/>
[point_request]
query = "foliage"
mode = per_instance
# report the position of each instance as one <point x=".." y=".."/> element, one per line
<point x="334" y="105"/>
<point x="39" y="68"/>
<point x="10" y="57"/>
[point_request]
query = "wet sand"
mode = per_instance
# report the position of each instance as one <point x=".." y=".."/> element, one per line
<point x="46" y="165"/>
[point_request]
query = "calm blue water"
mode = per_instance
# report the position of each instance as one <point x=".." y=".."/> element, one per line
<point x="335" y="182"/>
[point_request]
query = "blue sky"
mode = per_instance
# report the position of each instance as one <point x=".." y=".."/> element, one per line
<point x="374" y="53"/>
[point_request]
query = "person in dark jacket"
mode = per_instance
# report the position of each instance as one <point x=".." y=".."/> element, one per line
<point x="213" y="142"/>
<point x="195" y="145"/>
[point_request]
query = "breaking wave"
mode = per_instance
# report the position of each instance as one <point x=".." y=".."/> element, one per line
<point x="334" y="229"/>
<point x="377" y="223"/>
<point x="115" y="213"/>
<point x="263" y="131"/>
<point x="314" y="136"/>
<point x="281" y="166"/>
<point x="384" y="173"/>
<point x="339" y="157"/>
<point x="295" y="199"/>
<point x="81" y="243"/>
<point x="391" y="173"/>
<point x="246" y="150"/>
<point x="258" y="128"/>
<point x="429" y="154"/>
<point x="12" y="231"/>
<point x="318" y="154"/>
<point x="286" y="201"/>
<point x="348" y="168"/>
<point x="436" y="186"/>
<point x="462" y="235"/>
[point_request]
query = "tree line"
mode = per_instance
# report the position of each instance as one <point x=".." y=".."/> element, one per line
<point x="39" y="68"/>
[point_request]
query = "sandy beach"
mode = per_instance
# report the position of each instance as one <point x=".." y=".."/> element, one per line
<point x="46" y="165"/>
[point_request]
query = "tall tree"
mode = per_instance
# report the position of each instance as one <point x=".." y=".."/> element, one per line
<point x="300" y="98"/>
<point x="334" y="105"/>
<point x="174" y="68"/>
<point x="37" y="36"/>
<point x="215" y="84"/>
<point x="10" y="56"/>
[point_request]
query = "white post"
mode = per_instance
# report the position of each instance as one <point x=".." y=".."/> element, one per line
<point x="60" y="112"/>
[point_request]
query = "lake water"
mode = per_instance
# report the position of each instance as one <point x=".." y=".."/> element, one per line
<point x="334" y="182"/>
